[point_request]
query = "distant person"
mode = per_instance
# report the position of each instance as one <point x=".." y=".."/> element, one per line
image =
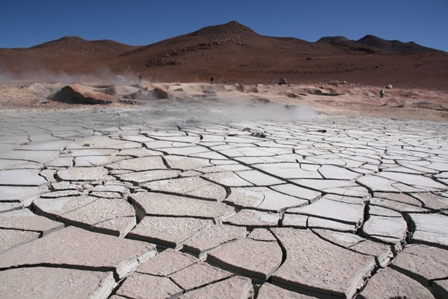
<point x="211" y="80"/>
<point x="382" y="93"/>
<point x="140" y="78"/>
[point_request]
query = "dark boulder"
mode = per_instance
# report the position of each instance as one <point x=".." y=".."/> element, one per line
<point x="282" y="81"/>
<point x="160" y="94"/>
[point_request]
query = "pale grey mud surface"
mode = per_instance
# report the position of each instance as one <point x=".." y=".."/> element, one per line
<point x="175" y="202"/>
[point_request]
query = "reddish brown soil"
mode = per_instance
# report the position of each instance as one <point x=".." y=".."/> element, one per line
<point x="233" y="53"/>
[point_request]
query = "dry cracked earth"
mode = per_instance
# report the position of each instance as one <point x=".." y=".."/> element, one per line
<point x="144" y="204"/>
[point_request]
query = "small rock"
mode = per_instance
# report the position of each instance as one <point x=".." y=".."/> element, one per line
<point x="252" y="89"/>
<point x="160" y="94"/>
<point x="240" y="87"/>
<point x="282" y="81"/>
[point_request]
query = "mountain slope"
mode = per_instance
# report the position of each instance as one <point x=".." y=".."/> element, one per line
<point x="232" y="52"/>
<point x="393" y="46"/>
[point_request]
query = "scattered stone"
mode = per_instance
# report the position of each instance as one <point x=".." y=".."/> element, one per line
<point x="240" y="87"/>
<point x="252" y="89"/>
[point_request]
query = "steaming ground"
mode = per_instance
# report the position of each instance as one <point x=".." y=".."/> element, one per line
<point x="187" y="103"/>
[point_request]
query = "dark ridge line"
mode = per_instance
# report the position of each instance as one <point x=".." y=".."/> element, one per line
<point x="375" y="269"/>
<point x="118" y="286"/>
<point x="207" y="284"/>
<point x="325" y="218"/>
<point x="260" y="170"/>
<point x="182" y="216"/>
<point x="177" y="295"/>
<point x="147" y="189"/>
<point x="203" y="254"/>
<point x="66" y="266"/>
<point x="366" y="214"/>
<point x="415" y="276"/>
<point x="306" y="290"/>
<point x="283" y="249"/>
<point x="10" y="201"/>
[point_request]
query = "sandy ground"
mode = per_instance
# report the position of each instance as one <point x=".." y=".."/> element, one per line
<point x="350" y="99"/>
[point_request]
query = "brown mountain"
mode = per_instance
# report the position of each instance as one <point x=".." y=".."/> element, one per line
<point x="235" y="53"/>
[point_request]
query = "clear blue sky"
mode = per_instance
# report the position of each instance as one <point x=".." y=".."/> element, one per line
<point x="25" y="23"/>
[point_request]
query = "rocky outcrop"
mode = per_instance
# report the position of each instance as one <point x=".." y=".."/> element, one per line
<point x="79" y="94"/>
<point x="39" y="89"/>
<point x="160" y="94"/>
<point x="240" y="87"/>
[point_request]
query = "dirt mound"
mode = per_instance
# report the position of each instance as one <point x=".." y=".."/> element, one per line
<point x="78" y="94"/>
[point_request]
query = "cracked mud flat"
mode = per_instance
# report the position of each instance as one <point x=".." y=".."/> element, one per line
<point x="150" y="204"/>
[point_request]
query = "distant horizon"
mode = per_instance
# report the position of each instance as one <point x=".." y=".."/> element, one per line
<point x="143" y="45"/>
<point x="27" y="23"/>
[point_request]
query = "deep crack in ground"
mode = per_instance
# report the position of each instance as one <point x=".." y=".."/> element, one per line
<point x="335" y="206"/>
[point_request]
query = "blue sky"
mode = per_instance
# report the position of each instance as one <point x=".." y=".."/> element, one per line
<point x="25" y="23"/>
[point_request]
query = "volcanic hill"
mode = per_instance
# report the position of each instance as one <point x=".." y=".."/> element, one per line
<point x="234" y="53"/>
